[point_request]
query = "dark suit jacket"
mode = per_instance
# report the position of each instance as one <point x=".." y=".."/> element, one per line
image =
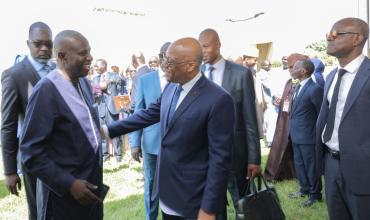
<point x="305" y="110"/>
<point x="353" y="132"/>
<point x="195" y="156"/>
<point x="17" y="83"/>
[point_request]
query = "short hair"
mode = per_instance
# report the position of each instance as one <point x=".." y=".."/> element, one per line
<point x="103" y="61"/>
<point x="210" y="31"/>
<point x="164" y="48"/>
<point x="308" y="66"/>
<point x="38" y="25"/>
<point x="62" y="37"/>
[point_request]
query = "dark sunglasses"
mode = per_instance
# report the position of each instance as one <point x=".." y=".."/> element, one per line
<point x="39" y="44"/>
<point x="334" y="34"/>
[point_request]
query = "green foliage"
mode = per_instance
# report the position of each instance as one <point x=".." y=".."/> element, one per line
<point x="318" y="49"/>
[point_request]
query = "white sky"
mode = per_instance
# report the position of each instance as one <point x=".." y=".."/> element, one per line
<point x="290" y="24"/>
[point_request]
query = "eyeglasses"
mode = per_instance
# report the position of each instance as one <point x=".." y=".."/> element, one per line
<point x="334" y="34"/>
<point x="170" y="63"/>
<point x="39" y="44"/>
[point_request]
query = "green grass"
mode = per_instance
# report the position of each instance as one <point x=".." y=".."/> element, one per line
<point x="125" y="199"/>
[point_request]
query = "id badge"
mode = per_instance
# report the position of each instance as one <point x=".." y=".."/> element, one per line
<point x="286" y="106"/>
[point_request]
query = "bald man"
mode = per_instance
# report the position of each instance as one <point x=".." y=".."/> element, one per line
<point x="195" y="154"/>
<point x="60" y="142"/>
<point x="343" y="126"/>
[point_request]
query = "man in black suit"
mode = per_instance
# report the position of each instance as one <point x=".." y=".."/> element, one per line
<point x="343" y="126"/>
<point x="17" y="83"/>
<point x="238" y="81"/>
<point x="306" y="105"/>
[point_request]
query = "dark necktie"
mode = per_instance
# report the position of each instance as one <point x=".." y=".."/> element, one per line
<point x="333" y="106"/>
<point x="210" y="69"/>
<point x="174" y="101"/>
<point x="296" y="91"/>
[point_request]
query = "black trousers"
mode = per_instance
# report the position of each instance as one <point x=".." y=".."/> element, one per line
<point x="342" y="203"/>
<point x="221" y="216"/>
<point x="29" y="182"/>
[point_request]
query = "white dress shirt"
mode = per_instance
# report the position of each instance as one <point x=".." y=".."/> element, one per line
<point x="162" y="79"/>
<point x="345" y="85"/>
<point x="302" y="83"/>
<point x="185" y="90"/>
<point x="218" y="72"/>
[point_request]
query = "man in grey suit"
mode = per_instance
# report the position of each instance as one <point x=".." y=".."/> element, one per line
<point x="17" y="83"/>
<point x="109" y="85"/>
<point x="238" y="81"/>
<point x="343" y="126"/>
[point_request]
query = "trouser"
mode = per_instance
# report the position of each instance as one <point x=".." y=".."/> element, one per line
<point x="342" y="203"/>
<point x="30" y="188"/>
<point x="151" y="204"/>
<point x="305" y="166"/>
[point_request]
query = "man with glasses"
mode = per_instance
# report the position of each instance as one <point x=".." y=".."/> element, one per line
<point x="197" y="125"/>
<point x="146" y="142"/>
<point x="17" y="83"/>
<point x="343" y="138"/>
<point x="154" y="63"/>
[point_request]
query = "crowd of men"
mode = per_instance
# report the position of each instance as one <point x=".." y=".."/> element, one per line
<point x="195" y="118"/>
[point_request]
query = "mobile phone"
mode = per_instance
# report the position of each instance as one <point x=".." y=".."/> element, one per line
<point x="104" y="191"/>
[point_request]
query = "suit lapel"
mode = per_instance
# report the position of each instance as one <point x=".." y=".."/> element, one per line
<point x="298" y="99"/>
<point x="33" y="77"/>
<point x="226" y="78"/>
<point x="361" y="78"/>
<point x="189" y="98"/>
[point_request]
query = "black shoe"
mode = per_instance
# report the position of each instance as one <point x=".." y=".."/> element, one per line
<point x="310" y="202"/>
<point x="296" y="195"/>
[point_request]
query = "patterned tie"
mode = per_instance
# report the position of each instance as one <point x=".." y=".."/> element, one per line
<point x="296" y="91"/>
<point x="210" y="70"/>
<point x="45" y="69"/>
<point x="174" y="101"/>
<point x="333" y="106"/>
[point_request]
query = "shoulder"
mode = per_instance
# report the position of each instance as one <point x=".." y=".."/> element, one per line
<point x="238" y="70"/>
<point x="148" y="76"/>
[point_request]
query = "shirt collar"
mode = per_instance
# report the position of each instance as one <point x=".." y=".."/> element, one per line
<point x="354" y="64"/>
<point x="38" y="66"/>
<point x="187" y="86"/>
<point x="219" y="65"/>
<point x="303" y="82"/>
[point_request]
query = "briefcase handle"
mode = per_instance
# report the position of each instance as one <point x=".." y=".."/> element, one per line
<point x="252" y="184"/>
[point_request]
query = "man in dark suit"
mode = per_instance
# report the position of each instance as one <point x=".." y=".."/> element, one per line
<point x="17" y="83"/>
<point x="343" y="126"/>
<point x="197" y="126"/>
<point x="148" y="140"/>
<point x="305" y="109"/>
<point x="60" y="140"/>
<point x="109" y="85"/>
<point x="238" y="81"/>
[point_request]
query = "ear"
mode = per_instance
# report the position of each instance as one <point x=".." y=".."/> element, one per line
<point x="61" y="55"/>
<point x="359" y="39"/>
<point x="28" y="43"/>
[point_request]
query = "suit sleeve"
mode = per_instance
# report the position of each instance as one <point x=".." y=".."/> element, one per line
<point x="135" y="137"/>
<point x="36" y="133"/>
<point x="139" y="120"/>
<point x="250" y="120"/>
<point x="316" y="99"/>
<point x="220" y="138"/>
<point x="10" y="109"/>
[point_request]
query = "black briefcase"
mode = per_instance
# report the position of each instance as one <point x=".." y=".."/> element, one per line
<point x="260" y="203"/>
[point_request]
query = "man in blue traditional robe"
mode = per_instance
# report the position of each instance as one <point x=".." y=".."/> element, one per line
<point x="60" y="142"/>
